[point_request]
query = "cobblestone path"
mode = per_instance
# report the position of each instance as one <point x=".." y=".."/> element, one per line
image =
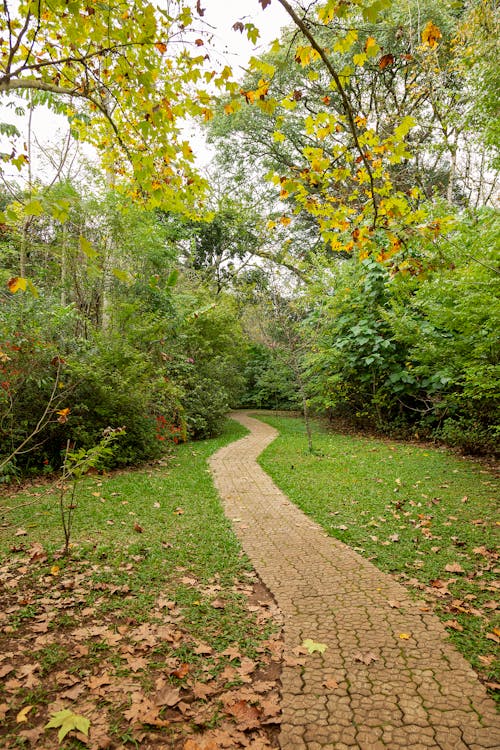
<point x="394" y="691"/>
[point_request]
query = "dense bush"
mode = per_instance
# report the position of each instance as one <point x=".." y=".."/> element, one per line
<point x="415" y="351"/>
<point x="165" y="378"/>
<point x="269" y="380"/>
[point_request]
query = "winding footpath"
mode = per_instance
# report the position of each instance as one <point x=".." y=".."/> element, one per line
<point x="389" y="678"/>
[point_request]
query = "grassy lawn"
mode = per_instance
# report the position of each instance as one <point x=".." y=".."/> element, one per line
<point x="155" y="629"/>
<point x="426" y="516"/>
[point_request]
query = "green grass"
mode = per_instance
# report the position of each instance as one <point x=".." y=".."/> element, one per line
<point x="412" y="510"/>
<point x="185" y="533"/>
<point x="122" y="579"/>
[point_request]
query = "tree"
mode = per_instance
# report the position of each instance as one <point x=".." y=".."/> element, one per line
<point x="124" y="75"/>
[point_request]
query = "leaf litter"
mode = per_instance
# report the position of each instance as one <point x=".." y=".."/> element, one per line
<point x="71" y="670"/>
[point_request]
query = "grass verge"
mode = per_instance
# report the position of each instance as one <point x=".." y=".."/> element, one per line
<point x="152" y="629"/>
<point x="424" y="515"/>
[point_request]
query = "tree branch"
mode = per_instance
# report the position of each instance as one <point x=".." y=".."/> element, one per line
<point x="345" y="100"/>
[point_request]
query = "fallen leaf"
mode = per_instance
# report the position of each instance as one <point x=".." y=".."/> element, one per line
<point x="493" y="637"/>
<point x="487" y="660"/>
<point x="218" y="604"/>
<point x="23" y="714"/>
<point x="367" y="658"/>
<point x="138" y="528"/>
<point x="67" y="721"/>
<point x="5" y="670"/>
<point x="454" y="568"/>
<point x="405" y="636"/>
<point x="454" y="625"/>
<point x="247" y="716"/>
<point x="167" y="696"/>
<point x="202" y="690"/>
<point x="21" y="532"/>
<point x="32" y="735"/>
<point x="331" y="684"/>
<point x="181" y="671"/>
<point x="312" y="646"/>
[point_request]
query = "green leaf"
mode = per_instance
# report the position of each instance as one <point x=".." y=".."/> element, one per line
<point x="66" y="720"/>
<point x="172" y="278"/>
<point x="33" y="208"/>
<point x="122" y="275"/>
<point x="87" y="248"/>
<point x="312" y="646"/>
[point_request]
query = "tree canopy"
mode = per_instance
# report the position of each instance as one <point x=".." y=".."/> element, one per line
<point x="339" y="254"/>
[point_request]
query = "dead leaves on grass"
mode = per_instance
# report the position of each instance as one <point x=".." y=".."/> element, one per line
<point x="145" y="678"/>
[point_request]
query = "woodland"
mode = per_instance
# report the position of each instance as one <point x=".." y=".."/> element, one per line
<point x="337" y="258"/>
<point x="339" y="254"/>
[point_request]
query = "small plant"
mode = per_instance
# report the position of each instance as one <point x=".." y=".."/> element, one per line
<point x="76" y="465"/>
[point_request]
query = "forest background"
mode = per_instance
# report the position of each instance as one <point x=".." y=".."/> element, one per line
<point x="340" y="254"/>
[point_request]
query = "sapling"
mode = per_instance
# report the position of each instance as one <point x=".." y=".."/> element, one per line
<point x="76" y="464"/>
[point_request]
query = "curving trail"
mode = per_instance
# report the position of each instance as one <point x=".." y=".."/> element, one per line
<point x="371" y="689"/>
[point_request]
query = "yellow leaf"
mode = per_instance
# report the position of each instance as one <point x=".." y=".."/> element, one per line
<point x="305" y="55"/>
<point x="360" y="59"/>
<point x="371" y="47"/>
<point x="17" y="283"/>
<point x="405" y="636"/>
<point x="431" y="35"/>
<point x="312" y="646"/>
<point x="23" y="714"/>
<point x="54" y="571"/>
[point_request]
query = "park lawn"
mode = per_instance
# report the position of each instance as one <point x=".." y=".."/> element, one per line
<point x="422" y="514"/>
<point x="156" y="629"/>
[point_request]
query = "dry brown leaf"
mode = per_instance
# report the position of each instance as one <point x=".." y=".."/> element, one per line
<point x="95" y="682"/>
<point x="181" y="671"/>
<point x="5" y="670"/>
<point x="246" y="715"/>
<point x="32" y="735"/>
<point x="167" y="696"/>
<point x="331" y="684"/>
<point x="367" y="658"/>
<point x="73" y="693"/>
<point x="202" y="690"/>
<point x="454" y="625"/>
<point x="218" y="604"/>
<point x="493" y="685"/>
<point x="454" y="568"/>
<point x="4" y="708"/>
<point x="394" y="604"/>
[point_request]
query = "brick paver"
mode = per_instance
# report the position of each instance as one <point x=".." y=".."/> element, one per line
<point x="394" y="691"/>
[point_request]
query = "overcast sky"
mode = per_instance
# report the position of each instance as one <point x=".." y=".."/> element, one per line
<point x="223" y="14"/>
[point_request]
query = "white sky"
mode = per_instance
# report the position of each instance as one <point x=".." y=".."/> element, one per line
<point x="233" y="48"/>
<point x="223" y="14"/>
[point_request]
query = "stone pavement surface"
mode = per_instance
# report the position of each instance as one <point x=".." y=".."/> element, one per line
<point x="394" y="691"/>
